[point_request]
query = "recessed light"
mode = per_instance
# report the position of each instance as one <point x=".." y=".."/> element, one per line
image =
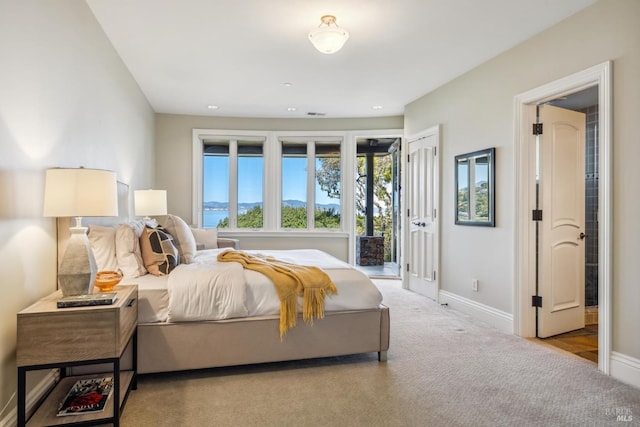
<point x="291" y="109"/>
<point x="287" y="84"/>
<point x="377" y="107"/>
<point x="212" y="107"/>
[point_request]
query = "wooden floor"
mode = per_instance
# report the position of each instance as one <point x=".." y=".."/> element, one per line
<point x="583" y="342"/>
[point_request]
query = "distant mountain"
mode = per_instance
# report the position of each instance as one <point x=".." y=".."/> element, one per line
<point x="247" y="206"/>
<point x="223" y="206"/>
<point x="328" y="206"/>
<point x="294" y="203"/>
<point x="215" y="205"/>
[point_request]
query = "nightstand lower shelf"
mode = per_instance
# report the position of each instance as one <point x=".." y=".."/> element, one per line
<point x="46" y="413"/>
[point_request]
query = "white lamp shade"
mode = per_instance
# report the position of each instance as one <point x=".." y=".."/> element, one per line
<point x="80" y="192"/>
<point x="150" y="202"/>
<point x="328" y="40"/>
<point x="328" y="37"/>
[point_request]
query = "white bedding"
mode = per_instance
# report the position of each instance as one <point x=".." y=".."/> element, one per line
<point x="153" y="298"/>
<point x="249" y="293"/>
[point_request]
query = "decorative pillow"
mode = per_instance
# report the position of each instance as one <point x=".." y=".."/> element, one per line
<point x="206" y="238"/>
<point x="103" y="245"/>
<point x="159" y="254"/>
<point x="182" y="237"/>
<point x="128" y="251"/>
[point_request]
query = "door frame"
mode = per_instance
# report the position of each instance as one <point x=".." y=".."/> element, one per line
<point x="434" y="131"/>
<point x="524" y="316"/>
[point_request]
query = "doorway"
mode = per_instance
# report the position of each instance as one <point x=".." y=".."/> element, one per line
<point x="567" y="165"/>
<point x="377" y="206"/>
<point x="526" y="269"/>
<point x="558" y="215"/>
<point x="586" y="102"/>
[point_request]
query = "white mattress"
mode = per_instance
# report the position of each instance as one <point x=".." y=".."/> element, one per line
<point x="355" y="289"/>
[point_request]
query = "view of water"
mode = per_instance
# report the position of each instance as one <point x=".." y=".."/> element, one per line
<point x="212" y="218"/>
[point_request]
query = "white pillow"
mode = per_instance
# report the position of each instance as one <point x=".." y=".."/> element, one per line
<point x="103" y="245"/>
<point x="128" y="251"/>
<point x="182" y="237"/>
<point x="206" y="238"/>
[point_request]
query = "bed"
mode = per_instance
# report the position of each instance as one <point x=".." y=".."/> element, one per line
<point x="355" y="320"/>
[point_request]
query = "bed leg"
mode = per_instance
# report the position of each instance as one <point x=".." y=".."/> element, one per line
<point x="382" y="356"/>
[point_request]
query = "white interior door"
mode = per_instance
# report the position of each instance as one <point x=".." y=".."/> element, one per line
<point x="562" y="200"/>
<point x="422" y="201"/>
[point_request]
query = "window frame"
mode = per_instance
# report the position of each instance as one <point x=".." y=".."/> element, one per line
<point x="272" y="178"/>
<point x="311" y="140"/>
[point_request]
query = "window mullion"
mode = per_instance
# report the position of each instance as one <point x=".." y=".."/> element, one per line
<point x="233" y="184"/>
<point x="472" y="189"/>
<point x="273" y="184"/>
<point x="311" y="184"/>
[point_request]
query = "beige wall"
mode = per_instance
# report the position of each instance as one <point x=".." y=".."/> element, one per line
<point x="67" y="100"/>
<point x="477" y="111"/>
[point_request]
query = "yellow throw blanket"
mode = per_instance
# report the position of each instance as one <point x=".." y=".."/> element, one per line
<point x="290" y="281"/>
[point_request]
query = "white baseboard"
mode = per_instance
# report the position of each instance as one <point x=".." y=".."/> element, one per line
<point x="33" y="397"/>
<point x="625" y="369"/>
<point x="496" y="318"/>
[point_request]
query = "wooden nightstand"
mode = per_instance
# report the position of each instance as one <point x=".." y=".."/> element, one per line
<point x="51" y="337"/>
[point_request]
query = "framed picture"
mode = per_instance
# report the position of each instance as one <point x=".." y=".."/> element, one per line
<point x="475" y="188"/>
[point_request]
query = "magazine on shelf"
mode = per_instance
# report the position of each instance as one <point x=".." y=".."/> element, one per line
<point x="86" y="396"/>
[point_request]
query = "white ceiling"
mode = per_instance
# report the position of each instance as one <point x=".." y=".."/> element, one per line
<point x="238" y="54"/>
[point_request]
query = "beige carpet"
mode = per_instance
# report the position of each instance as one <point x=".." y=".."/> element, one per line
<point x="444" y="369"/>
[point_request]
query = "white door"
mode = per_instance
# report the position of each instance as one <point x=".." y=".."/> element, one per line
<point x="422" y="201"/>
<point x="562" y="239"/>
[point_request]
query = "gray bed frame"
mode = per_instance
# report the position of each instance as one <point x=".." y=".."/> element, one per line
<point x="167" y="347"/>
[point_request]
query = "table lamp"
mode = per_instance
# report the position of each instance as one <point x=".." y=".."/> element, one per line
<point x="150" y="202"/>
<point x="76" y="193"/>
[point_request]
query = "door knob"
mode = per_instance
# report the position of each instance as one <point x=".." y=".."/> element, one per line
<point x="582" y="236"/>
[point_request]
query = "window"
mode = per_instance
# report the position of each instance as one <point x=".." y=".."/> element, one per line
<point x="328" y="185"/>
<point x="233" y="176"/>
<point x="250" y="185"/>
<point x="274" y="181"/>
<point x="311" y="184"/>
<point x="293" y="213"/>
<point x="215" y="209"/>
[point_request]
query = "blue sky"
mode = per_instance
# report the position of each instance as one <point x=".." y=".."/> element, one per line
<point x="216" y="180"/>
<point x="482" y="174"/>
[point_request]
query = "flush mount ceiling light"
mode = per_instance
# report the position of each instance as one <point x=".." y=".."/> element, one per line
<point x="328" y="37"/>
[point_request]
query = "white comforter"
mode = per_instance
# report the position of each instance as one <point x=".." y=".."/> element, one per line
<point x="212" y="290"/>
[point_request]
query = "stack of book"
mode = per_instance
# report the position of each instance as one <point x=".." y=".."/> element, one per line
<point x="105" y="298"/>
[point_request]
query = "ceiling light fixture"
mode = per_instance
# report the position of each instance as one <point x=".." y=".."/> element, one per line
<point x="328" y="37"/>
